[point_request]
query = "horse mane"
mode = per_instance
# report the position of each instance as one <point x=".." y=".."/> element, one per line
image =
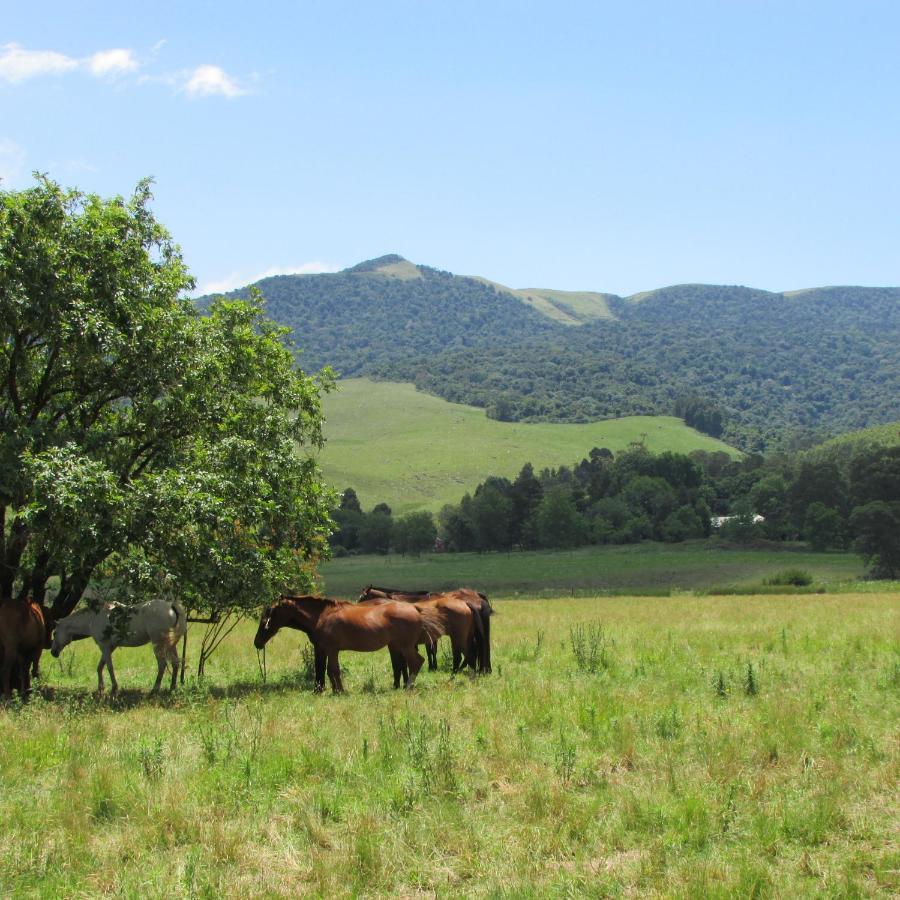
<point x="325" y="601"/>
<point x="384" y="590"/>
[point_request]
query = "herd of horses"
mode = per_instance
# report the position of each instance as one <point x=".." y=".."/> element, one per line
<point x="400" y="620"/>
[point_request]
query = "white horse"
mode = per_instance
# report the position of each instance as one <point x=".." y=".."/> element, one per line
<point x="159" y="622"/>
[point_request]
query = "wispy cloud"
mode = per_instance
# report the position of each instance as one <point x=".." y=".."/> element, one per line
<point x="18" y="64"/>
<point x="235" y="280"/>
<point x="12" y="162"/>
<point x="208" y="81"/>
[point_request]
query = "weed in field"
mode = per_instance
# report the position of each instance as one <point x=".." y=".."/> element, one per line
<point x="750" y="687"/>
<point x="668" y="725"/>
<point x="565" y="756"/>
<point x="721" y="687"/>
<point x="151" y="756"/>
<point x="529" y="652"/>
<point x="589" y="646"/>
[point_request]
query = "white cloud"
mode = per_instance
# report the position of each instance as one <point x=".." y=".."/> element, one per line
<point x="111" y="62"/>
<point x="12" y="162"/>
<point x="235" y="280"/>
<point x="18" y="64"/>
<point x="207" y="81"/>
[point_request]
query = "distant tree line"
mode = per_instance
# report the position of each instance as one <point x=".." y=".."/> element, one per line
<point x="632" y="496"/>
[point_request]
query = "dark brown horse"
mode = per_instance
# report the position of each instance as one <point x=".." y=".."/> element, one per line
<point x="23" y="635"/>
<point x="478" y="603"/>
<point x="335" y="625"/>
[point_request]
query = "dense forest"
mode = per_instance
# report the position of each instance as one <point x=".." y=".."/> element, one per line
<point x="754" y="367"/>
<point x="831" y="500"/>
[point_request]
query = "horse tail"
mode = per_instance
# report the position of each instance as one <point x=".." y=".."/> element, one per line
<point x="180" y="626"/>
<point x="477" y="642"/>
<point x="484" y="661"/>
<point x="432" y="622"/>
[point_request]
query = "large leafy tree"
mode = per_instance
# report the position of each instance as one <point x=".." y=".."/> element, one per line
<point x="137" y="437"/>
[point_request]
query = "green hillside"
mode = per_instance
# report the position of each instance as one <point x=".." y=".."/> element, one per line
<point x="765" y="366"/>
<point x="844" y="447"/>
<point x="394" y="444"/>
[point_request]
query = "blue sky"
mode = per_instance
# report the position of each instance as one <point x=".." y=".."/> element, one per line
<point x="585" y="146"/>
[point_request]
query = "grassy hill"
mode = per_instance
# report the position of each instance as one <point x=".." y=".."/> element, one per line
<point x="411" y="450"/>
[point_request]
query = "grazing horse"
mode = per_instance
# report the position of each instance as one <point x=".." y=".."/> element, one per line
<point x="477" y="602"/>
<point x="159" y="622"/>
<point x="23" y="635"/>
<point x="335" y="625"/>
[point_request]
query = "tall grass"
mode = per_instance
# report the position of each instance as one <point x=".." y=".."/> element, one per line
<point x="549" y="778"/>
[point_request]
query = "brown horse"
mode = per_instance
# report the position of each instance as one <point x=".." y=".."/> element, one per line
<point x="478" y="603"/>
<point x="457" y="621"/>
<point x="23" y="635"/>
<point x="335" y="625"/>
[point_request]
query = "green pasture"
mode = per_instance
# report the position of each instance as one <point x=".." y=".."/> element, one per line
<point x="624" y="746"/>
<point x="411" y="450"/>
<point x="638" y="568"/>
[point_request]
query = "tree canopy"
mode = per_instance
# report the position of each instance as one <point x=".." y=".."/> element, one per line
<point x="138" y="438"/>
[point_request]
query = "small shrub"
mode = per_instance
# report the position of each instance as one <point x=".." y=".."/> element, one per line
<point x="589" y="647"/>
<point x="796" y="577"/>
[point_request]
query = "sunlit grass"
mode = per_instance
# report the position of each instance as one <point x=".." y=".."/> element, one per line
<point x="651" y="772"/>
<point x="411" y="450"/>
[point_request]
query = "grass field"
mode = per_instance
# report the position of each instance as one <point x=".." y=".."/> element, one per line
<point x="645" y="764"/>
<point x="640" y="568"/>
<point x="414" y="451"/>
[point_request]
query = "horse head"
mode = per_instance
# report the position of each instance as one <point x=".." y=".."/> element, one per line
<point x="266" y="629"/>
<point x="64" y="632"/>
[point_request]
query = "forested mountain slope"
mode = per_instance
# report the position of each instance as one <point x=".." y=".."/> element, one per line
<point x="744" y="364"/>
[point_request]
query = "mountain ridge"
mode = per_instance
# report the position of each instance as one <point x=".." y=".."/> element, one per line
<point x="751" y="365"/>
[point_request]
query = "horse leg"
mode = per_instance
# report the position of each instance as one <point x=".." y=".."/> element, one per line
<point x="160" y="652"/>
<point x="458" y="657"/>
<point x="334" y="672"/>
<point x="25" y="679"/>
<point x="112" y="672"/>
<point x="7" y="665"/>
<point x="431" y="652"/>
<point x="320" y="658"/>
<point x="414" y="661"/>
<point x="396" y="666"/>
<point x="398" y="662"/>
<point x="100" y="665"/>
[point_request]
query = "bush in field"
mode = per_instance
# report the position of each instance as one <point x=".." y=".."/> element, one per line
<point x="795" y="577"/>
